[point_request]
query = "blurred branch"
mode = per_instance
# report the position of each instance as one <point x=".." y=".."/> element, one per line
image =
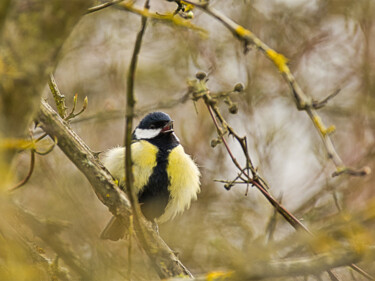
<point x="102" y="6"/>
<point x="303" y="101"/>
<point x="303" y="266"/>
<point x="322" y="103"/>
<point x="30" y="172"/>
<point x="118" y="114"/>
<point x="36" y="253"/>
<point x="289" y="268"/>
<point x="33" y="150"/>
<point x="48" y="232"/>
<point x="4" y="8"/>
<point x="25" y="59"/>
<point x="271" y="225"/>
<point x="169" y="18"/>
<point x="104" y="186"/>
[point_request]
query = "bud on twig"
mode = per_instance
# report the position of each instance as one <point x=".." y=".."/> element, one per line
<point x="200" y="75"/>
<point x="239" y="87"/>
<point x="233" y="109"/>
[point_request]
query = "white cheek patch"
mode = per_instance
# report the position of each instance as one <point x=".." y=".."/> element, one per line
<point x="146" y="133"/>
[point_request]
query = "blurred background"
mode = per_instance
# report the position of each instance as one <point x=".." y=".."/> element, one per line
<point x="329" y="45"/>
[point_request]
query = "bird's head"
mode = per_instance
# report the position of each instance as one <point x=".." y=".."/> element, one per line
<point x="153" y="125"/>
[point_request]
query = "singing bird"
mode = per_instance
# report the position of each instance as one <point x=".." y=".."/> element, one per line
<point x="166" y="179"/>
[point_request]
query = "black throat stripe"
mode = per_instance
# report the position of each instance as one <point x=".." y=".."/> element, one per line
<point x="154" y="197"/>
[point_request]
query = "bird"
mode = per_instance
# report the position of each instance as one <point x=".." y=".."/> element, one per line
<point x="166" y="179"/>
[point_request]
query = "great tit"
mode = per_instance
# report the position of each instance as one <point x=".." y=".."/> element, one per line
<point x="166" y="179"/>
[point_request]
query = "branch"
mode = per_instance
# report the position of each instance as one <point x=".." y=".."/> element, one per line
<point x="30" y="172"/>
<point x="303" y="101"/>
<point x="48" y="232"/>
<point x="291" y="267"/>
<point x="305" y="266"/>
<point x="118" y="114"/>
<point x="105" y="188"/>
<point x="16" y="215"/>
<point x="102" y="6"/>
<point x="168" y="18"/>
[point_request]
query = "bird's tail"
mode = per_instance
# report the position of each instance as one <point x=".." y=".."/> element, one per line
<point x="114" y="230"/>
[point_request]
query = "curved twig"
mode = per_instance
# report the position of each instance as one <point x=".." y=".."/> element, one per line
<point x="28" y="176"/>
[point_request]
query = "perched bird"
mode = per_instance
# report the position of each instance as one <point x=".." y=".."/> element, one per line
<point x="166" y="179"/>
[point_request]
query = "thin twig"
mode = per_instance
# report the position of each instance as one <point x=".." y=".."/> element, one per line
<point x="130" y="247"/>
<point x="119" y="114"/>
<point x="322" y="103"/>
<point x="102" y="6"/>
<point x="48" y="150"/>
<point x="142" y="234"/>
<point x="28" y="176"/>
<point x="129" y="114"/>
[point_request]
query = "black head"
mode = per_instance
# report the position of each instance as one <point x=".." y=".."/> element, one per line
<point x="153" y="125"/>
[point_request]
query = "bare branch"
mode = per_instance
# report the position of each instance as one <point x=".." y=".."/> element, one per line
<point x="322" y="103"/>
<point x="29" y="174"/>
<point x="102" y="6"/>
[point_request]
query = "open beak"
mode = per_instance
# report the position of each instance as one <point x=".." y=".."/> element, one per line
<point x="168" y="128"/>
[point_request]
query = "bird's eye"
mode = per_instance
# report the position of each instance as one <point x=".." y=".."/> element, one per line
<point x="152" y="127"/>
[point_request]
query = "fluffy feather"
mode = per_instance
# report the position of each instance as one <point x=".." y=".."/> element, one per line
<point x="166" y="179"/>
<point x="184" y="184"/>
<point x="182" y="172"/>
<point x="144" y="161"/>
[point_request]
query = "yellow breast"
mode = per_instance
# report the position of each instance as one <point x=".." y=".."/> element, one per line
<point x="183" y="176"/>
<point x="144" y="161"/>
